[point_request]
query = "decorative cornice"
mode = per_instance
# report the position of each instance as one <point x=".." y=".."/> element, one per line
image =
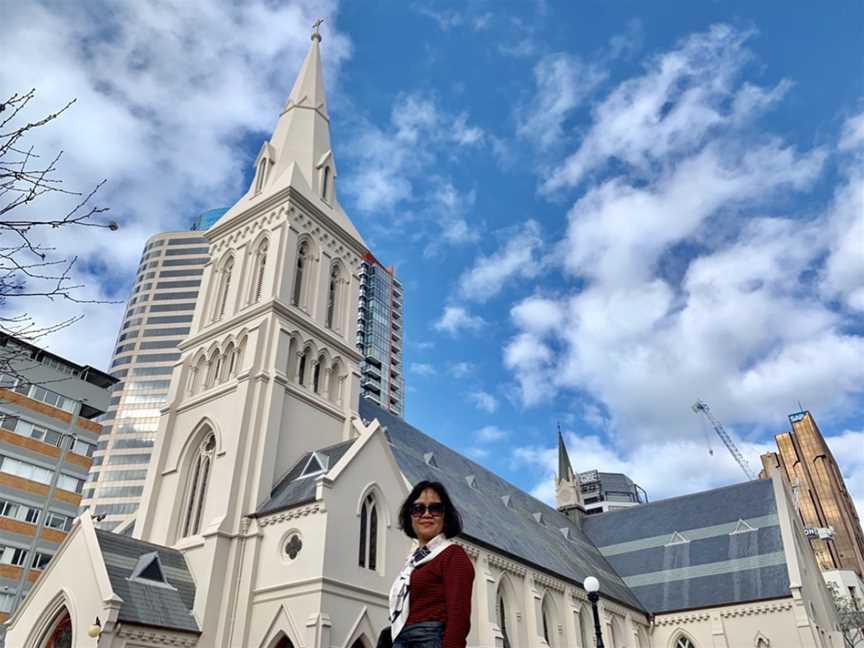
<point x="750" y="610"/>
<point x="681" y="619"/>
<point x="472" y="551"/>
<point x="507" y="565"/>
<point x="549" y="582"/>
<point x="292" y="514"/>
<point x="155" y="637"/>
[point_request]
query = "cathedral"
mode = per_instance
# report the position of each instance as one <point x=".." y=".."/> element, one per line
<point x="269" y="517"/>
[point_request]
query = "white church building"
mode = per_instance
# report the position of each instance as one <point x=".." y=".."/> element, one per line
<point x="269" y="518"/>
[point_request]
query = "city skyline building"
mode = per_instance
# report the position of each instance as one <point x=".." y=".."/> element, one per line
<point x="380" y="335"/>
<point x="822" y="498"/>
<point x="158" y="317"/>
<point x="604" y="491"/>
<point x="47" y="439"/>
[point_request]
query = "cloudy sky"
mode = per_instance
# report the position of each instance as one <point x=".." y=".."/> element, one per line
<point x="600" y="211"/>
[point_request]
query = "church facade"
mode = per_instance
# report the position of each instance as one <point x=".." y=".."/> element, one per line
<point x="269" y="518"/>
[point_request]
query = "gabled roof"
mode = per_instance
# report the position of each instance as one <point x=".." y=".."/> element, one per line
<point x="696" y="551"/>
<point x="295" y="488"/>
<point x="526" y="528"/>
<point x="166" y="604"/>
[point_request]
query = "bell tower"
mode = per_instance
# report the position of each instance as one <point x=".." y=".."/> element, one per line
<point x="270" y="369"/>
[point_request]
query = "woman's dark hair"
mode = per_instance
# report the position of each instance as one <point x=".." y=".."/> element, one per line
<point x="452" y="519"/>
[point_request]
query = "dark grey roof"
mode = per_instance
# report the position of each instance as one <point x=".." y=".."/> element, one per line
<point x="145" y="603"/>
<point x="292" y="489"/>
<point x="618" y="482"/>
<point x="717" y="547"/>
<point x="510" y="528"/>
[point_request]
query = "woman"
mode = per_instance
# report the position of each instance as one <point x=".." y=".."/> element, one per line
<point x="430" y="601"/>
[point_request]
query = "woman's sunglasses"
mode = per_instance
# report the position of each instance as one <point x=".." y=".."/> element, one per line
<point x="436" y="509"/>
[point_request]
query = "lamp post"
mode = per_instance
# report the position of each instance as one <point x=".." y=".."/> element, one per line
<point x="592" y="586"/>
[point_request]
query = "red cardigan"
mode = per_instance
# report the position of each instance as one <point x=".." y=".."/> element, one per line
<point x="441" y="591"/>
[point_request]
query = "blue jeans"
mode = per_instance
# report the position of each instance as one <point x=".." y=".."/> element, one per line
<point x="429" y="634"/>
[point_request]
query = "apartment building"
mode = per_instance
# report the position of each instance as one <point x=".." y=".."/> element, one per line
<point x="157" y="318"/>
<point x="379" y="336"/>
<point x="47" y="439"/>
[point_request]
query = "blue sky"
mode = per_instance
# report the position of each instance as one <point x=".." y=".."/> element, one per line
<point x="600" y="211"/>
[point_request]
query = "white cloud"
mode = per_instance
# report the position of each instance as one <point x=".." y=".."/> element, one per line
<point x="483" y="401"/>
<point x="853" y="133"/>
<point x="445" y="19"/>
<point x="166" y="94"/>
<point x="518" y="257"/>
<point x="563" y="83"/>
<point x="461" y="369"/>
<point x="490" y="434"/>
<point x="422" y="369"/>
<point x="671" y="108"/>
<point x="455" y="319"/>
<point x="690" y="281"/>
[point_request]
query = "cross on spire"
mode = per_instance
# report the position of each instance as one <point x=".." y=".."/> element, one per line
<point x="316" y="34"/>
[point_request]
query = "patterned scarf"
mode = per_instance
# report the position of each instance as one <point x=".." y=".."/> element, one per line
<point x="399" y="592"/>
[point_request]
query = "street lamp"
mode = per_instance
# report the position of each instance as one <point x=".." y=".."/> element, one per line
<point x="592" y="586"/>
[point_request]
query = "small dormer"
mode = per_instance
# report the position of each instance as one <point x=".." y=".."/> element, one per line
<point x="326" y="169"/>
<point x="263" y="163"/>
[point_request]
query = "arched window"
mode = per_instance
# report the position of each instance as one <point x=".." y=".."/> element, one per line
<point x="303" y="366"/>
<point x="197" y="489"/>
<point x="284" y="642"/>
<point x="325" y="181"/>
<point x="213" y="369"/>
<point x="337" y="377"/>
<point x="228" y="363"/>
<point x="369" y="533"/>
<point x="762" y="642"/>
<point x="260" y="176"/>
<point x="501" y="616"/>
<point x="59" y="634"/>
<point x="224" y="287"/>
<point x="548" y="624"/>
<point x="300" y="273"/>
<point x="333" y="297"/>
<point x="258" y="272"/>
<point x="684" y="642"/>
<point x="586" y="624"/>
<point x="316" y="374"/>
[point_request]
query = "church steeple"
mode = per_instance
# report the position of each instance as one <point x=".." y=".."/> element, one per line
<point x="568" y="488"/>
<point x="298" y="153"/>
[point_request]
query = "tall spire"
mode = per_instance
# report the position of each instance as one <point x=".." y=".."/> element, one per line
<point x="565" y="469"/>
<point x="298" y="154"/>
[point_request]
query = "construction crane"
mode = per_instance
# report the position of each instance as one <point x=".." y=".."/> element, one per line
<point x="702" y="406"/>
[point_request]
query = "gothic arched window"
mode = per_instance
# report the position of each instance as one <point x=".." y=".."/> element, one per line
<point x="586" y="624"/>
<point x="258" y="271"/>
<point x="325" y="181"/>
<point x="300" y="273"/>
<point x="224" y="287"/>
<point x="228" y="362"/>
<point x="60" y="633"/>
<point x="547" y="621"/>
<point x="501" y="615"/>
<point x="303" y="367"/>
<point x="197" y="488"/>
<point x="333" y="296"/>
<point x="334" y="388"/>
<point x="684" y="642"/>
<point x="369" y="533"/>
<point x="316" y="375"/>
<point x="260" y="177"/>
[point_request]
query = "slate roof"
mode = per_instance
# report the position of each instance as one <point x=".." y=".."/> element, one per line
<point x="684" y="552"/>
<point x="292" y="489"/>
<point x="510" y="527"/>
<point x="145" y="603"/>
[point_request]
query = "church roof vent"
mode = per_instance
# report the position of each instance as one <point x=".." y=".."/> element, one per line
<point x="317" y="464"/>
<point x="742" y="527"/>
<point x="429" y="458"/>
<point x="508" y="501"/>
<point x="472" y="481"/>
<point x="676" y="539"/>
<point x="538" y="517"/>
<point x="148" y="570"/>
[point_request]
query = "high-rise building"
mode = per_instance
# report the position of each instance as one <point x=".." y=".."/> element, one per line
<point x="379" y="336"/>
<point x="47" y="439"/>
<point x="823" y="500"/>
<point x="604" y="491"/>
<point x="157" y="318"/>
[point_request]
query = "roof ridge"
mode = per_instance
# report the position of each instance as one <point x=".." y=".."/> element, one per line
<point x="125" y="538"/>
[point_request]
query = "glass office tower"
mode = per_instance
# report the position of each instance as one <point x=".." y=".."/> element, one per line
<point x="379" y="336"/>
<point x="157" y="318"/>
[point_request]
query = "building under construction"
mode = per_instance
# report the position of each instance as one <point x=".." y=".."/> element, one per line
<point x="823" y="499"/>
